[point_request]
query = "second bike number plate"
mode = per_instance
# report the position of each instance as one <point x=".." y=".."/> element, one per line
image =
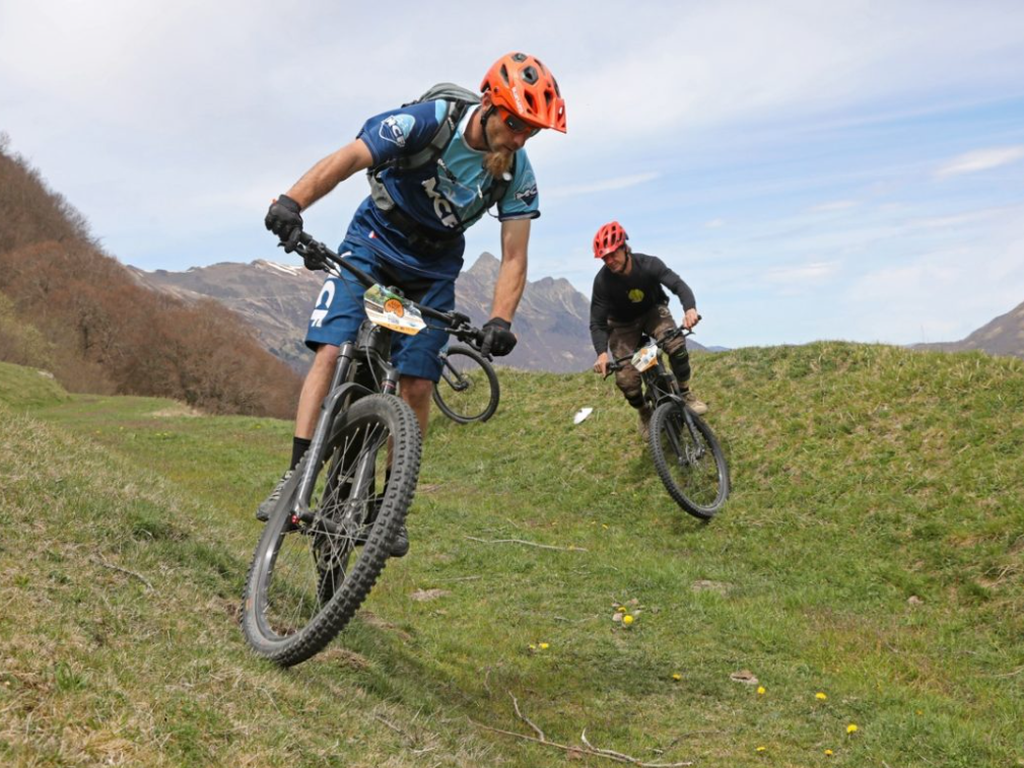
<point x="645" y="357"/>
<point x="392" y="311"/>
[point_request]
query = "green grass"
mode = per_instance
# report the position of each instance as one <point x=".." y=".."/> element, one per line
<point x="864" y="476"/>
<point x="22" y="388"/>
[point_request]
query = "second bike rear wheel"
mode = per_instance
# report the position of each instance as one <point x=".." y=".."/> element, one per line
<point x="310" y="573"/>
<point x="468" y="388"/>
<point x="690" y="464"/>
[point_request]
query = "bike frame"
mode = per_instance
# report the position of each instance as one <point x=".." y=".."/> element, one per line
<point x="660" y="385"/>
<point x="378" y="344"/>
<point x="372" y="350"/>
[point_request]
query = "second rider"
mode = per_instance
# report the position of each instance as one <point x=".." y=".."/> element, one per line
<point x="629" y="300"/>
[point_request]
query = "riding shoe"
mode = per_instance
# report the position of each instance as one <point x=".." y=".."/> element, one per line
<point x="400" y="543"/>
<point x="697" y="406"/>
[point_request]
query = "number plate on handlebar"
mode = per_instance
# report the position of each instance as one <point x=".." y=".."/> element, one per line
<point x="392" y="311"/>
<point x="645" y="357"/>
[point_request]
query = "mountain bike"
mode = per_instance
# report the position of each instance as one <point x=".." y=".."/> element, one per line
<point x="329" y="536"/>
<point x="686" y="453"/>
<point x="468" y="388"/>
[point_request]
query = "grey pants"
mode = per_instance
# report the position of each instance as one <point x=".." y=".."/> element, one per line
<point x="623" y="338"/>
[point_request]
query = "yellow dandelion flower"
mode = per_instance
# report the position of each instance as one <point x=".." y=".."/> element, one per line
<point x="627" y="619"/>
<point x="544" y="646"/>
<point x="761" y="749"/>
<point x="828" y="753"/>
<point x="677" y="676"/>
<point x="533" y="647"/>
<point x="821" y="696"/>
<point x="760" y="690"/>
<point x="851" y="728"/>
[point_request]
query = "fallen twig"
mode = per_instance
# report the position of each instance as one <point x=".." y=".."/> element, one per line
<point x="611" y="754"/>
<point x="525" y="719"/>
<point x="1014" y="673"/>
<point x="111" y="566"/>
<point x="589" y="749"/>
<point x="394" y="727"/>
<point x="570" y="548"/>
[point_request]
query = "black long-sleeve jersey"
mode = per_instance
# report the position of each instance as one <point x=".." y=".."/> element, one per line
<point x="627" y="297"/>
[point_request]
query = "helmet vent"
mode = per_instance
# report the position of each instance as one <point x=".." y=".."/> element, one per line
<point x="519" y="57"/>
<point x="529" y="75"/>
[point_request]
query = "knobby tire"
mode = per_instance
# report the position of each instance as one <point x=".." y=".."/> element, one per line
<point x="468" y="388"/>
<point x="695" y="473"/>
<point x="306" y="580"/>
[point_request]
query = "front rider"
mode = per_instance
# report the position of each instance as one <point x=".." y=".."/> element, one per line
<point x="408" y="233"/>
<point x="629" y="300"/>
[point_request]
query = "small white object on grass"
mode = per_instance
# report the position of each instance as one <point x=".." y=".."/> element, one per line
<point x="581" y="415"/>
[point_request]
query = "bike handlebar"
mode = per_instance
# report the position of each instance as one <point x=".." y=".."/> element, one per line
<point x="616" y="363"/>
<point x="456" y="323"/>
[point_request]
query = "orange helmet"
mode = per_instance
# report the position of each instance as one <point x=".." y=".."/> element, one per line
<point x="521" y="85"/>
<point x="609" y="239"/>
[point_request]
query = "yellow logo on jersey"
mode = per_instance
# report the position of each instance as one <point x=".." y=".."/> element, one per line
<point x="636" y="295"/>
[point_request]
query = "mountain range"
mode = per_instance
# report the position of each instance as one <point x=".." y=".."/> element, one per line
<point x="1002" y="336"/>
<point x="552" y="322"/>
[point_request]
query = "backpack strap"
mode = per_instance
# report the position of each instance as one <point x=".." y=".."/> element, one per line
<point x="456" y="110"/>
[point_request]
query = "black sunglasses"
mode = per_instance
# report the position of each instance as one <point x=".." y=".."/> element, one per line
<point x="519" y="126"/>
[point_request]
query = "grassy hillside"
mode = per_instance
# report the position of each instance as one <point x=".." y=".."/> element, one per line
<point x="22" y="388"/>
<point x="871" y="552"/>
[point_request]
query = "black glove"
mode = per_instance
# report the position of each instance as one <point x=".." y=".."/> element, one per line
<point x="284" y="220"/>
<point x="498" y="338"/>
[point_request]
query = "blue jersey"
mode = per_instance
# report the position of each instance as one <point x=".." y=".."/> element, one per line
<point x="446" y="196"/>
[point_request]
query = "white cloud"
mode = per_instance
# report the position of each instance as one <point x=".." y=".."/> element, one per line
<point x="813" y="272"/>
<point x="980" y="160"/>
<point x="605" y="185"/>
<point x="837" y="205"/>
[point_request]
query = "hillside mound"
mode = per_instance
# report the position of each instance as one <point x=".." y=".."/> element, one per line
<point x="861" y="592"/>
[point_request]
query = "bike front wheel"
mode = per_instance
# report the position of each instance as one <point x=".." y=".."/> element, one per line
<point x="313" y="569"/>
<point x="689" y="460"/>
<point x="468" y="388"/>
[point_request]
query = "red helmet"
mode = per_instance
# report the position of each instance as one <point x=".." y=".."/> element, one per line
<point x="521" y="85"/>
<point x="609" y="239"/>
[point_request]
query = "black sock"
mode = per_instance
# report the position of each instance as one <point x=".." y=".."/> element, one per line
<point x="299" y="446"/>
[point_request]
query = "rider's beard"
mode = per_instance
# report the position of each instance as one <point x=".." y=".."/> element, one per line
<point x="497" y="162"/>
<point x="497" y="159"/>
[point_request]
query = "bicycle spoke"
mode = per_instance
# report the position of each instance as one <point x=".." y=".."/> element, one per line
<point x="313" y="558"/>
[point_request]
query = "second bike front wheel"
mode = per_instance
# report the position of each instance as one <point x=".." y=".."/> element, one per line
<point x="468" y="388"/>
<point x="690" y="463"/>
<point x="312" y="570"/>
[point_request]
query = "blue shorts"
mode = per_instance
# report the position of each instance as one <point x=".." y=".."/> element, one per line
<point x="339" y="311"/>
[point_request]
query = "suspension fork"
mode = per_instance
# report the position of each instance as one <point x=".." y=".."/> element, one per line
<point x="328" y="411"/>
<point x="654" y="377"/>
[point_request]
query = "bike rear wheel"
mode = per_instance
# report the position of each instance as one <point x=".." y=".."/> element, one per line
<point x="308" y="576"/>
<point x="468" y="388"/>
<point x="691" y="464"/>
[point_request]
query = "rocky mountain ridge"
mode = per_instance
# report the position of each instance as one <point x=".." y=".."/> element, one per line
<point x="1002" y="336"/>
<point x="552" y="321"/>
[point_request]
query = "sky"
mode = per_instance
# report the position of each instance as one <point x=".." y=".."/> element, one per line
<point x="844" y="170"/>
